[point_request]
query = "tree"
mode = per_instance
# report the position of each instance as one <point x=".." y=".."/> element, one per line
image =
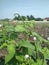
<point x="23" y="18"/>
<point x="6" y="19"/>
<point x="28" y="18"/>
<point x="17" y="16"/>
<point x="32" y="17"/>
<point x="38" y="19"/>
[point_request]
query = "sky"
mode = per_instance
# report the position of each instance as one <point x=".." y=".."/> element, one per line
<point x="37" y="8"/>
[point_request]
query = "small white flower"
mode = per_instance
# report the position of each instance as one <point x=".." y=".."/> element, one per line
<point x="26" y="56"/>
<point x="0" y="25"/>
<point x="34" y="38"/>
<point x="47" y="38"/>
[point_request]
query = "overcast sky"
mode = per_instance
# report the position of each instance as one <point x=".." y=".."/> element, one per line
<point x="38" y="8"/>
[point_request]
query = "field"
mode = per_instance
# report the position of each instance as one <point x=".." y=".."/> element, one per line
<point x="42" y="28"/>
<point x="24" y="43"/>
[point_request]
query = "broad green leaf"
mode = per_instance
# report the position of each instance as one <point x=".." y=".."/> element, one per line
<point x="4" y="45"/>
<point x="30" y="51"/>
<point x="19" y="28"/>
<point x="26" y="43"/>
<point x="20" y="58"/>
<point x="29" y="24"/>
<point x="11" y="52"/>
<point x="9" y="28"/>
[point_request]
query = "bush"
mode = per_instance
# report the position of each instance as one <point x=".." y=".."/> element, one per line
<point x="22" y="51"/>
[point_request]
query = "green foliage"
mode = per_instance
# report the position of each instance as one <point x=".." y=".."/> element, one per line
<point x="25" y="43"/>
<point x="19" y="28"/>
<point x="39" y="37"/>
<point x="11" y="52"/>
<point x="23" y="18"/>
<point x="45" y="52"/>
<point x="23" y="51"/>
<point x="9" y="28"/>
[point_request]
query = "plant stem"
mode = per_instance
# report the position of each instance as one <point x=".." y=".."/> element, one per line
<point x="36" y="50"/>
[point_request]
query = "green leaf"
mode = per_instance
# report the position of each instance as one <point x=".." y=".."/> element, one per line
<point x="23" y="64"/>
<point x="38" y="62"/>
<point x="3" y="45"/>
<point x="11" y="52"/>
<point x="26" y="43"/>
<point x="20" y="58"/>
<point x="30" y="51"/>
<point x="19" y="28"/>
<point x="9" y="28"/>
<point x="45" y="63"/>
<point x="39" y="48"/>
<point x="31" y="23"/>
<point x="45" y="52"/>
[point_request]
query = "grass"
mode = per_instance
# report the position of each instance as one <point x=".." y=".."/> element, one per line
<point x="37" y="23"/>
<point x="43" y="24"/>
